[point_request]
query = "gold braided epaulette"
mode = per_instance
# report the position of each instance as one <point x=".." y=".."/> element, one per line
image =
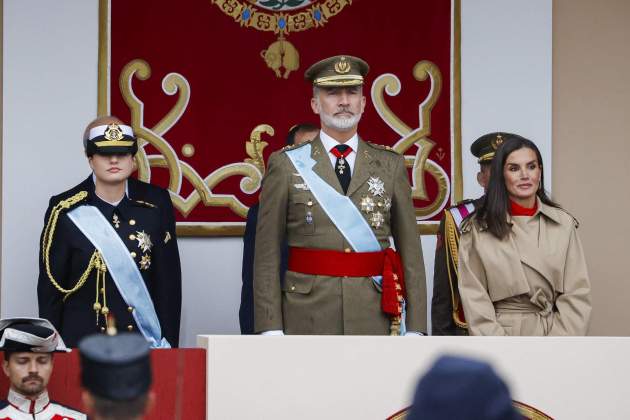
<point x="382" y="147"/>
<point x="295" y="146"/>
<point x="147" y="204"/>
<point x="47" y="241"/>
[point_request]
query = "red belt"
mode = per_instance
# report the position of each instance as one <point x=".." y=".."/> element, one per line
<point x="386" y="263"/>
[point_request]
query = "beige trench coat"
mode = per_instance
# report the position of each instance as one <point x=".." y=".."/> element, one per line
<point x="525" y="284"/>
<point x="308" y="304"/>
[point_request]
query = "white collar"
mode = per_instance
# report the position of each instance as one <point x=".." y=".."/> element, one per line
<point x="26" y="405"/>
<point x="329" y="142"/>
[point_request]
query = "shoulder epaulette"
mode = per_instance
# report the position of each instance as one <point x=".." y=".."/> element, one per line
<point x="47" y="241"/>
<point x="466" y="225"/>
<point x="146" y="204"/>
<point x="295" y="146"/>
<point x="462" y="203"/>
<point x="382" y="147"/>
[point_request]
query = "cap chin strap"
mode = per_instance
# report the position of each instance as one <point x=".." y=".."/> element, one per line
<point x="41" y="345"/>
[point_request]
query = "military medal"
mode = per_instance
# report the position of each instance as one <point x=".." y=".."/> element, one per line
<point x="377" y="219"/>
<point x="145" y="262"/>
<point x="342" y="165"/>
<point x="367" y="204"/>
<point x="116" y="221"/>
<point x="376" y="186"/>
<point x="144" y="241"/>
<point x="309" y="217"/>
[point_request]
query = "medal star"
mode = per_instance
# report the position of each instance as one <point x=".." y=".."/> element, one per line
<point x="375" y="186"/>
<point x="377" y="219"/>
<point x="144" y="241"/>
<point x="145" y="262"/>
<point x="387" y="204"/>
<point x="367" y="204"/>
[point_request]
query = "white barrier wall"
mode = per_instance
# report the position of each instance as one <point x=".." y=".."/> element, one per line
<point x="254" y="377"/>
<point x="50" y="71"/>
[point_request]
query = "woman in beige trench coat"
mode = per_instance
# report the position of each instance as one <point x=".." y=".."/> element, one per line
<point x="521" y="265"/>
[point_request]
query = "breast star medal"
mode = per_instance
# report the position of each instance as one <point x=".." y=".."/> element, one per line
<point x="145" y="262"/>
<point x="376" y="186"/>
<point x="144" y="241"/>
<point x="377" y="219"/>
<point x="367" y="204"/>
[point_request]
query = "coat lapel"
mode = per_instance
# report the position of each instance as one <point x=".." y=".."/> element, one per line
<point x="323" y="168"/>
<point x="362" y="166"/>
<point x="532" y="254"/>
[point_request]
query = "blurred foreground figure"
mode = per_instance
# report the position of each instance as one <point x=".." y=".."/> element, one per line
<point x="457" y="388"/>
<point x="28" y="345"/>
<point x="116" y="376"/>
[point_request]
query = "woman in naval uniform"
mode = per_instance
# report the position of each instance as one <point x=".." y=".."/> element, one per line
<point x="522" y="269"/>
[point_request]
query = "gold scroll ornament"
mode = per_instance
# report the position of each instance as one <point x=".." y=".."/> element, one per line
<point x="251" y="169"/>
<point x="419" y="137"/>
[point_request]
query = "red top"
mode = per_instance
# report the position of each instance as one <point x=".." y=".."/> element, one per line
<point x="517" y="210"/>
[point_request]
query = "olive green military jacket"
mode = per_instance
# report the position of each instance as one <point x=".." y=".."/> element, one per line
<point x="307" y="304"/>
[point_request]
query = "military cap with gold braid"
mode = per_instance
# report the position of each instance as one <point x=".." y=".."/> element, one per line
<point x="340" y="70"/>
<point x="486" y="146"/>
<point x="111" y="139"/>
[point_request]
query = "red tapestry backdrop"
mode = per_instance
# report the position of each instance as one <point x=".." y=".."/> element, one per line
<point x="211" y="87"/>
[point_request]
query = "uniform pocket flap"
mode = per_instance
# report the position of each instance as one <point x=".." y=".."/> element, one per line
<point x="298" y="283"/>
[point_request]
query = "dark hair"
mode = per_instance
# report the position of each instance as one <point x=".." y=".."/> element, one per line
<point x="120" y="410"/>
<point x="493" y="212"/>
<point x="299" y="128"/>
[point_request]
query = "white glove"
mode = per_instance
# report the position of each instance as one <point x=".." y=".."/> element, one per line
<point x="273" y="332"/>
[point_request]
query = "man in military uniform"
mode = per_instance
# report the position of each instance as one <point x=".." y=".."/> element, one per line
<point x="116" y="376"/>
<point x="447" y="314"/>
<point x="28" y="345"/>
<point x="298" y="134"/>
<point x="338" y="199"/>
<point x="108" y="248"/>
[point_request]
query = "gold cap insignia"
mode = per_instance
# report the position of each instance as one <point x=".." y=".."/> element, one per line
<point x="113" y="132"/>
<point x="342" y="66"/>
<point x="495" y="143"/>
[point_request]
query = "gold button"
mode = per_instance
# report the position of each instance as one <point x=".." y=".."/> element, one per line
<point x="130" y="327"/>
<point x="130" y="308"/>
<point x="347" y="250"/>
<point x="292" y="287"/>
<point x="133" y="254"/>
<point x="132" y="222"/>
<point x="132" y="237"/>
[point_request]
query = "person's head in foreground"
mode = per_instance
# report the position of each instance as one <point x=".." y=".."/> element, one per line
<point x="458" y="388"/>
<point x="116" y="376"/>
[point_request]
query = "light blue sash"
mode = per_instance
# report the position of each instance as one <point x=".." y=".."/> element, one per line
<point x="122" y="269"/>
<point x="339" y="208"/>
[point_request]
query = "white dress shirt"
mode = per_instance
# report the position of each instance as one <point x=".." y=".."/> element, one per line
<point x="329" y="143"/>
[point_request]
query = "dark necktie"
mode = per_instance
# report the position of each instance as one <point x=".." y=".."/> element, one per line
<point x="342" y="167"/>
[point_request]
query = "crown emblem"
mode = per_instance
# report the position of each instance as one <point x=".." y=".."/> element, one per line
<point x="495" y="143"/>
<point x="342" y="66"/>
<point x="113" y="132"/>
